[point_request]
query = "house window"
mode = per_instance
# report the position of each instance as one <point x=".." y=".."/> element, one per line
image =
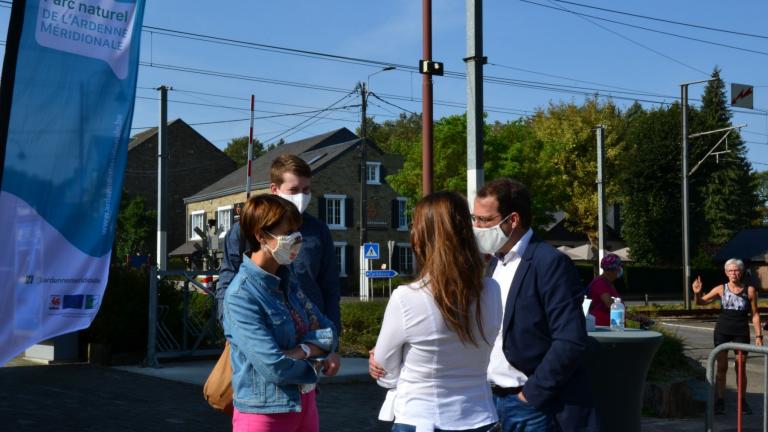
<point x="196" y="220"/>
<point x="224" y="220"/>
<point x="373" y="171"/>
<point x="403" y="215"/>
<point x="341" y="257"/>
<point x="405" y="258"/>
<point x="335" y="211"/>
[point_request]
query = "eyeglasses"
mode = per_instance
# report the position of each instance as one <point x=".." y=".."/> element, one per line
<point x="485" y="219"/>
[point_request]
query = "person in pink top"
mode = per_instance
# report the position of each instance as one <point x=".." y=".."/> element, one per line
<point x="601" y="290"/>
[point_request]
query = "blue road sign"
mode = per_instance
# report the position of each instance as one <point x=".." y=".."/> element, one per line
<point x="380" y="274"/>
<point x="371" y="251"/>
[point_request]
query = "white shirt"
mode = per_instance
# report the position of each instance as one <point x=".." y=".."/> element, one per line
<point x="439" y="381"/>
<point x="500" y="372"/>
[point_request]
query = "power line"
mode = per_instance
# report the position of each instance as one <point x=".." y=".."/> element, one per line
<point x="648" y="29"/>
<point x="366" y="62"/>
<point x="577" y="80"/>
<point x="664" y="20"/>
<point x="298" y="127"/>
<point x="659" y="53"/>
<point x="390" y="103"/>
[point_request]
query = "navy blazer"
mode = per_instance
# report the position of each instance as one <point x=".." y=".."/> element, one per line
<point x="545" y="335"/>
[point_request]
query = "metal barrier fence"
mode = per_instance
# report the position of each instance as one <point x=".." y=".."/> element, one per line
<point x="746" y="348"/>
<point x="161" y="341"/>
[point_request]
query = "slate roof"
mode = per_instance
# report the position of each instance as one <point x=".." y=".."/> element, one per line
<point x="748" y="245"/>
<point x="317" y="151"/>
<point x="559" y="233"/>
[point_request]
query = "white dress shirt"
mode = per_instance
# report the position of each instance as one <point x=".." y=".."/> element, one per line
<point x="437" y="381"/>
<point x="500" y="372"/>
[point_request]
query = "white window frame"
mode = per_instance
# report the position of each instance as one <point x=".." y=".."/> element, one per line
<point x="192" y="234"/>
<point x="400" y="256"/>
<point x="377" y="173"/>
<point x="343" y="257"/>
<point x="342" y="211"/>
<point x="402" y="213"/>
<point x="219" y="223"/>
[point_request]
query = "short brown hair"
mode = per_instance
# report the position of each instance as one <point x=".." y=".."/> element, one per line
<point x="512" y="196"/>
<point x="288" y="163"/>
<point x="265" y="212"/>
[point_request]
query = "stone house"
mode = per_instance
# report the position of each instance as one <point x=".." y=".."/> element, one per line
<point x="193" y="163"/>
<point x="334" y="158"/>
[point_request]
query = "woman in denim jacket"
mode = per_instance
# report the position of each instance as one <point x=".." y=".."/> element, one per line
<point x="276" y="334"/>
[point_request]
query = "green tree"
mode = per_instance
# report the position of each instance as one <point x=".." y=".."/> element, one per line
<point x="392" y="135"/>
<point x="237" y="150"/>
<point x="567" y="132"/>
<point x="724" y="194"/>
<point x="511" y="149"/>
<point x="761" y="179"/>
<point x="135" y="227"/>
<point x="651" y="216"/>
<point x="449" y="158"/>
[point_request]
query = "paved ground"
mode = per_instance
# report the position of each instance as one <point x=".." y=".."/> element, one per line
<point x="85" y="398"/>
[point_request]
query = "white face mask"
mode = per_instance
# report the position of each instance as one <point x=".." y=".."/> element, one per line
<point x="287" y="249"/>
<point x="490" y="240"/>
<point x="300" y="200"/>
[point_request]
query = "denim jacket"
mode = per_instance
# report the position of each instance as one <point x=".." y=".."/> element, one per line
<point x="259" y="326"/>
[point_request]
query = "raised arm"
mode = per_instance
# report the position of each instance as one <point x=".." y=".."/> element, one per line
<point x="707" y="298"/>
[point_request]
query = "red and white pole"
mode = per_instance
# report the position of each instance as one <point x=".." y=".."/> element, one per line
<point x="250" y="155"/>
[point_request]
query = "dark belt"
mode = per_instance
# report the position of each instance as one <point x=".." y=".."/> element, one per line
<point x="505" y="391"/>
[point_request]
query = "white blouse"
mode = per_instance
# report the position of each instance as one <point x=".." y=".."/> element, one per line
<point x="437" y="381"/>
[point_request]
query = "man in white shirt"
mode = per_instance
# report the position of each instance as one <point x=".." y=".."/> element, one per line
<point x="536" y="371"/>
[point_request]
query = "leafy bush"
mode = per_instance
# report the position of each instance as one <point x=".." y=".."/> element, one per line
<point x="670" y="362"/>
<point x="361" y="323"/>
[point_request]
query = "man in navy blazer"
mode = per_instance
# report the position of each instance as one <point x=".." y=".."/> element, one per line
<point x="536" y="369"/>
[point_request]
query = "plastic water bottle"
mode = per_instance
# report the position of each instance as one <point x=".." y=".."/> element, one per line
<point x="617" y="315"/>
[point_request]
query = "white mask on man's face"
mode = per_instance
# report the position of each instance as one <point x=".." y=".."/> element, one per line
<point x="300" y="200"/>
<point x="490" y="240"/>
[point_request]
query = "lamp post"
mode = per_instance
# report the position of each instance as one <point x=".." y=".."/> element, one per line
<point x="363" y="88"/>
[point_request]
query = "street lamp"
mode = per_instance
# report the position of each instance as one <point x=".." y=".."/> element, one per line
<point x="364" y="179"/>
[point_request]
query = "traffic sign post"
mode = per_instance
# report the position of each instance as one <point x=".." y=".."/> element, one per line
<point x="371" y="251"/>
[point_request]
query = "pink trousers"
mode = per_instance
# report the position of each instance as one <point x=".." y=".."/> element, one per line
<point x="305" y="421"/>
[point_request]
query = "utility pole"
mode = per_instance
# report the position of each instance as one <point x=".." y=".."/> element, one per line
<point x="475" y="62"/>
<point x="363" y="189"/>
<point x="684" y="196"/>
<point x="162" y="181"/>
<point x="250" y="154"/>
<point x="600" y="132"/>
<point x="684" y="180"/>
<point x="426" y="104"/>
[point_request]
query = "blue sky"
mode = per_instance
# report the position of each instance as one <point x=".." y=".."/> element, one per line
<point x="523" y="41"/>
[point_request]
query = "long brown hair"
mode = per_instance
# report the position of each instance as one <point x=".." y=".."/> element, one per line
<point x="447" y="254"/>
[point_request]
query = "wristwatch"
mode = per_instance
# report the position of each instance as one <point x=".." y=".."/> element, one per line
<point x="305" y="348"/>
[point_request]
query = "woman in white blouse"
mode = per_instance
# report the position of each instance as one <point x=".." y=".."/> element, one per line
<point x="437" y="334"/>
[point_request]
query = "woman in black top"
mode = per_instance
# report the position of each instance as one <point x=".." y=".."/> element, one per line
<point x="737" y="300"/>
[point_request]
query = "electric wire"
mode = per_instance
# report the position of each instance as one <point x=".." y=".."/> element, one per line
<point x="659" y="53"/>
<point x="665" y="20"/>
<point x="648" y="29"/>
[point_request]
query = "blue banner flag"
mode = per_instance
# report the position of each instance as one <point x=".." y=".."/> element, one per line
<point x="66" y="106"/>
